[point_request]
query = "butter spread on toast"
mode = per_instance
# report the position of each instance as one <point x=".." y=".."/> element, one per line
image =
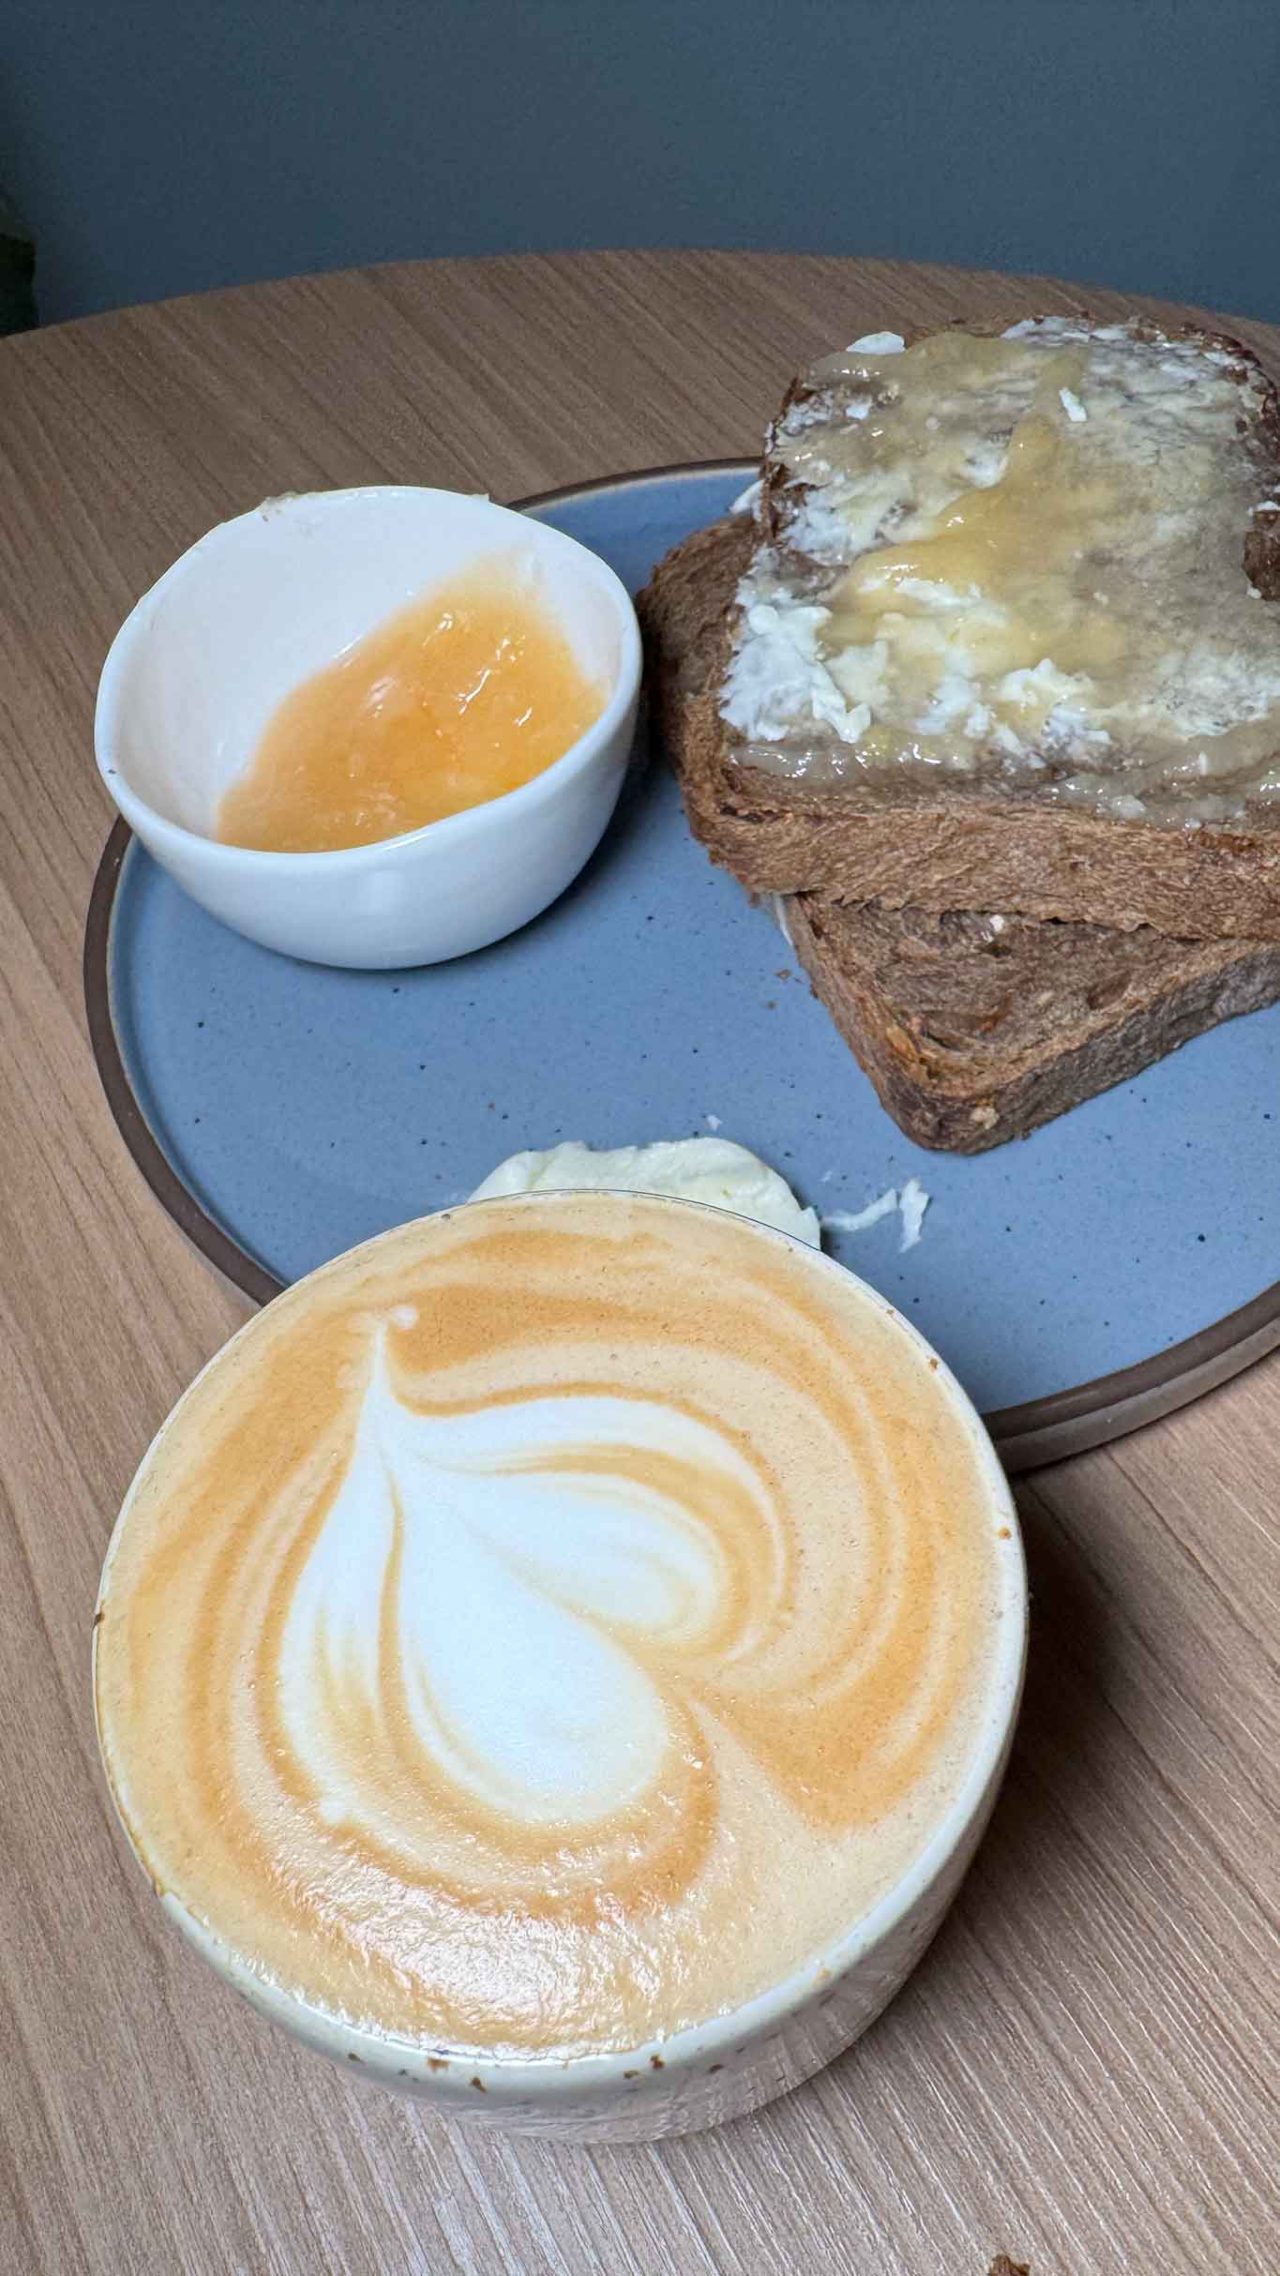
<point x="1022" y="560"/>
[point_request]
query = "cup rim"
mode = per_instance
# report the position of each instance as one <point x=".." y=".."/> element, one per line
<point x="553" y="2076"/>
<point x="448" y="828"/>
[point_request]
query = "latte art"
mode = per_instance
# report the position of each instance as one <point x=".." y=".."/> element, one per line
<point x="483" y="1588"/>
<point x="549" y="1626"/>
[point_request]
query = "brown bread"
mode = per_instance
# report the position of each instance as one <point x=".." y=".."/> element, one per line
<point x="974" y="1028"/>
<point x="962" y="843"/>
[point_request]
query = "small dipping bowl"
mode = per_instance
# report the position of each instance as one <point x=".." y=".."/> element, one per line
<point x="259" y="605"/>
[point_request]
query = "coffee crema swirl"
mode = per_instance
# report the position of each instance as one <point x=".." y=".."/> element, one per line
<point x="550" y="1626"/>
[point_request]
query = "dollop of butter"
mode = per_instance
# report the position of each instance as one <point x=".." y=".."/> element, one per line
<point x="713" y="1170"/>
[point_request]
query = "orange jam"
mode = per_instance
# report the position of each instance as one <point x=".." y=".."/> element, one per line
<point x="466" y="693"/>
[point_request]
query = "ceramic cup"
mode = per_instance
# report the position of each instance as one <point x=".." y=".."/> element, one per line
<point x="262" y="602"/>
<point x="686" y="2078"/>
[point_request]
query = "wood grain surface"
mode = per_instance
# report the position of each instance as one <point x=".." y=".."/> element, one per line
<point x="1082" y="2071"/>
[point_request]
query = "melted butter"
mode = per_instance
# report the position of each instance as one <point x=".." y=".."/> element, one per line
<point x="937" y="416"/>
<point x="1032" y="540"/>
<point x="504" y="1612"/>
<point x="1025" y="560"/>
<point x="462" y="696"/>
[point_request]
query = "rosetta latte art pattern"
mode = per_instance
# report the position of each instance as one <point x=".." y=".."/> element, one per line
<point x="550" y="1627"/>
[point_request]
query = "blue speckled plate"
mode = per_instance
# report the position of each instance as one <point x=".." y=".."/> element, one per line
<point x="1110" y="1267"/>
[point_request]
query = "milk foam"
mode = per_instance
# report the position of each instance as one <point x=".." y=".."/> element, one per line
<point x="549" y="1626"/>
<point x="495" y="1581"/>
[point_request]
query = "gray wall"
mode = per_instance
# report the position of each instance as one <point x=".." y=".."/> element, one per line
<point x="157" y="146"/>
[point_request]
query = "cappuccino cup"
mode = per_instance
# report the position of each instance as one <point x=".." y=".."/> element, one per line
<point x="559" y="1658"/>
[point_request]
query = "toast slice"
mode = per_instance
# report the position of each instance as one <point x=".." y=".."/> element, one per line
<point x="973" y="1027"/>
<point x="886" y="717"/>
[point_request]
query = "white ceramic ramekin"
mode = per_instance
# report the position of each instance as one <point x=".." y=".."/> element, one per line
<point x="199" y="666"/>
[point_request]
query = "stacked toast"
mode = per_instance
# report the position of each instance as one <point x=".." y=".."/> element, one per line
<point x="986" y="688"/>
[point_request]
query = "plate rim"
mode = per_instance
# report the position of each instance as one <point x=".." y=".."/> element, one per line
<point x="1026" y="1436"/>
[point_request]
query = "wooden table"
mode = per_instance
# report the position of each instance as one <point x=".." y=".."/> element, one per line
<point x="1080" y="2072"/>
